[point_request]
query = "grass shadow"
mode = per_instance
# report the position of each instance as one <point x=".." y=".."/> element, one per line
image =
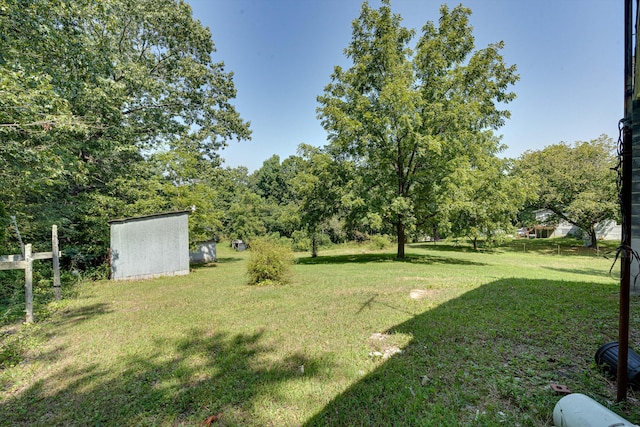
<point x="183" y="382"/>
<point x="443" y="247"/>
<point x="384" y="257"/>
<point x="488" y="358"/>
<point x="226" y="260"/>
<point x="585" y="271"/>
<point x="568" y="246"/>
<point x="213" y="264"/>
<point x="374" y="300"/>
<point x="70" y="317"/>
<point x="202" y="265"/>
<point x="550" y="246"/>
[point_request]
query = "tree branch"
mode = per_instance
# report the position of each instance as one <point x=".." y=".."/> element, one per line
<point x="145" y="107"/>
<point x="160" y="61"/>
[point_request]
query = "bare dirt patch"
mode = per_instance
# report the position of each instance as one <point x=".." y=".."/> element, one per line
<point x="381" y="346"/>
<point x="423" y="293"/>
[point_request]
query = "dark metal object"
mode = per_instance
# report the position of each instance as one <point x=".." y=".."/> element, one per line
<point x="607" y="356"/>
<point x="625" y="270"/>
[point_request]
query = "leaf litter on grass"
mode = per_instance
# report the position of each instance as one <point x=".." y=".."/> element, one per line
<point x="382" y="346"/>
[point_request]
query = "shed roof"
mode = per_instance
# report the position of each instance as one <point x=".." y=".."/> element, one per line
<point x="143" y="217"/>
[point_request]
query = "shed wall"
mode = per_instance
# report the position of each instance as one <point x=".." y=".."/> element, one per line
<point x="635" y="194"/>
<point x="150" y="247"/>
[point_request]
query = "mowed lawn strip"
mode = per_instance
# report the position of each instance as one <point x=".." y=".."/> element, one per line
<point x="448" y="336"/>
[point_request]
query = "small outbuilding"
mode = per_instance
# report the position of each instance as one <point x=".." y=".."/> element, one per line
<point x="150" y="246"/>
<point x="238" y="245"/>
<point x="205" y="252"/>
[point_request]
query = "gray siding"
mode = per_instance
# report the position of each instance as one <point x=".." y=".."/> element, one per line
<point x="635" y="193"/>
<point x="151" y="246"/>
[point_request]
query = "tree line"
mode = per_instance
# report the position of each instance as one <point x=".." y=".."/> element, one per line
<point x="115" y="108"/>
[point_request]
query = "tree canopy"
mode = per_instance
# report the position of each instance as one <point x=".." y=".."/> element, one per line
<point x="484" y="201"/>
<point x="575" y="181"/>
<point x="106" y="108"/>
<point x="116" y="108"/>
<point x="404" y="117"/>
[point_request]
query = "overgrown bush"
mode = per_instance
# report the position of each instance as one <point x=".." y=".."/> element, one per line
<point x="11" y="351"/>
<point x="359" y="237"/>
<point x="378" y="241"/>
<point x="301" y="241"/>
<point x="334" y="230"/>
<point x="269" y="262"/>
<point x="498" y="239"/>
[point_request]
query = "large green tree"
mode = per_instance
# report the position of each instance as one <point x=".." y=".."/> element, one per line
<point x="274" y="182"/>
<point x="403" y="116"/>
<point x="88" y="92"/>
<point x="321" y="185"/>
<point x="483" y="201"/>
<point x="575" y="181"/>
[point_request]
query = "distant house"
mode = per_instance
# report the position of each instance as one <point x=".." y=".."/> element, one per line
<point x="608" y="230"/>
<point x="150" y="246"/>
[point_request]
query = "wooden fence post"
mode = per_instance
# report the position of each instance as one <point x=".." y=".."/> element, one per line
<point x="56" y="262"/>
<point x="25" y="261"/>
<point x="28" y="282"/>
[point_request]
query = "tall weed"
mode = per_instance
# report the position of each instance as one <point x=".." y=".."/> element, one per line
<point x="269" y="262"/>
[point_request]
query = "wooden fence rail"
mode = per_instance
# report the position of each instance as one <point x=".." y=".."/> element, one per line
<point x="20" y="262"/>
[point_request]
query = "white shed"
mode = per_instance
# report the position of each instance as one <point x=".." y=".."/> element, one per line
<point x="150" y="246"/>
<point x="205" y="252"/>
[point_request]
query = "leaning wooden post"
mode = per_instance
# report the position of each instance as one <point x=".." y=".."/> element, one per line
<point x="56" y="262"/>
<point x="28" y="282"/>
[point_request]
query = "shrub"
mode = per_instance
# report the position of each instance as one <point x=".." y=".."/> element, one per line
<point x="359" y="237"/>
<point x="301" y="241"/>
<point x="269" y="262"/>
<point x="379" y="241"/>
<point x="12" y="351"/>
<point x="323" y="239"/>
<point x="302" y="245"/>
<point x="498" y="239"/>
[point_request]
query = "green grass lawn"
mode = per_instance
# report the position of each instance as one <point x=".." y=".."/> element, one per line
<point x="448" y="336"/>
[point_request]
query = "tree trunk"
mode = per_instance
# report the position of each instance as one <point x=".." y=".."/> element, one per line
<point x="475" y="243"/>
<point x="314" y="245"/>
<point x="400" y="232"/>
<point x="593" y="238"/>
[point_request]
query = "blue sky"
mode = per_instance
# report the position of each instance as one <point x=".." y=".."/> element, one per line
<point x="569" y="55"/>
